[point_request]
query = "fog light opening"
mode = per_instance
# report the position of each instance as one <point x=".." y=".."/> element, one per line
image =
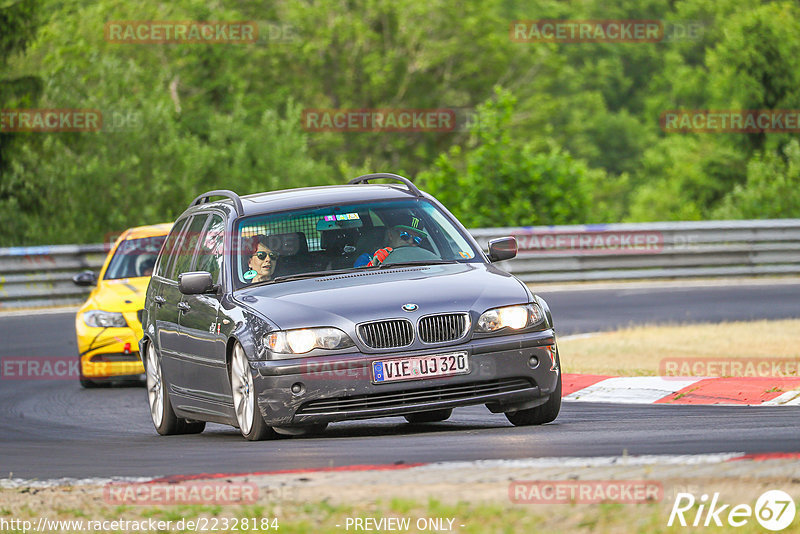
<point x="298" y="388"/>
<point x="533" y="362"/>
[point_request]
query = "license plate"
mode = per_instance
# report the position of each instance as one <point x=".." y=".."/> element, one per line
<point x="418" y="367"/>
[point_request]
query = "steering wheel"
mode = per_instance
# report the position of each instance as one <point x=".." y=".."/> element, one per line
<point x="404" y="254"/>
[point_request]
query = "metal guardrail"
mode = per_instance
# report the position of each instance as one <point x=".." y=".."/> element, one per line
<point x="652" y="250"/>
<point x="42" y="276"/>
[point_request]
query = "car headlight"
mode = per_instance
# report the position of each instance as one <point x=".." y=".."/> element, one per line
<point x="305" y="340"/>
<point x="512" y="317"/>
<point x="104" y="319"/>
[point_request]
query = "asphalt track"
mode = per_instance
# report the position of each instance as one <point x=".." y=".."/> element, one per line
<point x="52" y="429"/>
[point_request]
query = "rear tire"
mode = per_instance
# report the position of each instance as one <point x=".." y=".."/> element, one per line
<point x="540" y="415"/>
<point x="164" y="419"/>
<point x="433" y="416"/>
<point x="248" y="415"/>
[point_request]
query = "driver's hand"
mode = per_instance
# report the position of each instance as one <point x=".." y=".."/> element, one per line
<point x="380" y="256"/>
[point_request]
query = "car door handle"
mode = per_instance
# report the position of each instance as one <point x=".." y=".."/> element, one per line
<point x="183" y="306"/>
<point x="158" y="299"/>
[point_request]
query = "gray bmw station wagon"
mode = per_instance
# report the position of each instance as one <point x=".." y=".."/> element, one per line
<point x="281" y="312"/>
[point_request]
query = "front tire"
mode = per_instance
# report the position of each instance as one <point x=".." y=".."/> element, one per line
<point x="164" y="419"/>
<point x="248" y="415"/>
<point x="539" y="415"/>
<point x="86" y="383"/>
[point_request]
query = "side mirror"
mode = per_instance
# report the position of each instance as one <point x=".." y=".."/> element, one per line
<point x="502" y="248"/>
<point x="196" y="283"/>
<point x="85" y="278"/>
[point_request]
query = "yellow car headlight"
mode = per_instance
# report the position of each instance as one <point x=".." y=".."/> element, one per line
<point x="104" y="319"/>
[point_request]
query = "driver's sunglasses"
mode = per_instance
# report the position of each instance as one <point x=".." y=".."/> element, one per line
<point x="263" y="255"/>
<point x="405" y="236"/>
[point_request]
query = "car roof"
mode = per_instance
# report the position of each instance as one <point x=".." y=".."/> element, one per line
<point x="151" y="230"/>
<point x="308" y="197"/>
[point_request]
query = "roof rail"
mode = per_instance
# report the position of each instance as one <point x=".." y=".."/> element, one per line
<point x="367" y="177"/>
<point x="237" y="202"/>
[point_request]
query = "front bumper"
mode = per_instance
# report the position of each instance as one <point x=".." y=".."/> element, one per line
<point x="110" y="352"/>
<point x="340" y="387"/>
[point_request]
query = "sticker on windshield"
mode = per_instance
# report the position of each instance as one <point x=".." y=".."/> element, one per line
<point x="249" y="275"/>
<point x="341" y="221"/>
<point x="465" y="255"/>
<point x="342" y="217"/>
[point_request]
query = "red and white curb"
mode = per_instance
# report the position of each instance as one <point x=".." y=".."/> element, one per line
<point x="742" y="391"/>
<point x="521" y="463"/>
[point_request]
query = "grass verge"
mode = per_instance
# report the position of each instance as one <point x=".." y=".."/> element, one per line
<point x="638" y="351"/>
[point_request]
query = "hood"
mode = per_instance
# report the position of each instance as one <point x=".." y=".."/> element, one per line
<point x="123" y="295"/>
<point x="342" y="300"/>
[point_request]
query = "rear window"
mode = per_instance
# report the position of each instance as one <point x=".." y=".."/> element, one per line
<point x="134" y="258"/>
<point x="187" y="247"/>
<point x="166" y="255"/>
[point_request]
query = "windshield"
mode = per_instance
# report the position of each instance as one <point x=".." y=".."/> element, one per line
<point x="134" y="258"/>
<point x="316" y="241"/>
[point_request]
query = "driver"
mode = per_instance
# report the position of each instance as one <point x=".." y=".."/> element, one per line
<point x="401" y="235"/>
<point x="262" y="261"/>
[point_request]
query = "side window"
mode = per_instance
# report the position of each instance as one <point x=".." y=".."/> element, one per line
<point x="187" y="246"/>
<point x="169" y="247"/>
<point x="209" y="256"/>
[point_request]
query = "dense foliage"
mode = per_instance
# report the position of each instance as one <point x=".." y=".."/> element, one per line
<point x="561" y="132"/>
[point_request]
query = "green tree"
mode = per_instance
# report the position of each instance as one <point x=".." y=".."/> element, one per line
<point x="499" y="181"/>
<point x="18" y="24"/>
<point x="772" y="189"/>
<point x="168" y="133"/>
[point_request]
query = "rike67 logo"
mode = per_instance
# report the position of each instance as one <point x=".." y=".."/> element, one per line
<point x="774" y="510"/>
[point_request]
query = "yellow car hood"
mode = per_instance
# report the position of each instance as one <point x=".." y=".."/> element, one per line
<point x="123" y="295"/>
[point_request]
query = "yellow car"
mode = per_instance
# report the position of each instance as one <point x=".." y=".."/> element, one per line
<point x="108" y="325"/>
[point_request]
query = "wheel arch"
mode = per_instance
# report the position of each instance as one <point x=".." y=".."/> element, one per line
<point x="232" y="341"/>
<point x="143" y="345"/>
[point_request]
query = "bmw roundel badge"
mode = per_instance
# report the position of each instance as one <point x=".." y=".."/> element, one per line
<point x="410" y="307"/>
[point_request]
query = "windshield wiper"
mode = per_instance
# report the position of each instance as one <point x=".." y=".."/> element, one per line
<point x="312" y="274"/>
<point x="413" y="263"/>
<point x="320" y="274"/>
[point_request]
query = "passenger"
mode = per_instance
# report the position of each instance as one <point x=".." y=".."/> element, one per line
<point x="262" y="261"/>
